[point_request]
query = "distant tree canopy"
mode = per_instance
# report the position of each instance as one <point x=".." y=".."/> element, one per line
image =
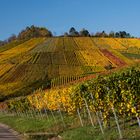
<point x="73" y="32"/>
<point x="11" y="38"/>
<point x="1" y="43"/>
<point x="101" y="34"/>
<point x="31" y="32"/>
<point x="66" y="34"/>
<point x="84" y="32"/>
<point x="111" y="34"/>
<point x="122" y="34"/>
<point x="28" y="33"/>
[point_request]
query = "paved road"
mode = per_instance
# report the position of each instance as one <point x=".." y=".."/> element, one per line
<point x="7" y="134"/>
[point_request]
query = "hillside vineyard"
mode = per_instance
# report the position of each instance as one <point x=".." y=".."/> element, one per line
<point x="56" y="61"/>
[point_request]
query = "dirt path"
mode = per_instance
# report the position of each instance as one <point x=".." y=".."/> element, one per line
<point x="8" y="134"/>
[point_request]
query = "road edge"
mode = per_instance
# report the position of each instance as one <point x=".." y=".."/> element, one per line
<point x="17" y="134"/>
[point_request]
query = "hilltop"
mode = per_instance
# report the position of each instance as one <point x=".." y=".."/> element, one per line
<point x="47" y="62"/>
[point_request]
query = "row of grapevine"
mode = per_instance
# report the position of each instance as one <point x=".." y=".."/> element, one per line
<point x="64" y="80"/>
<point x="94" y="58"/>
<point x="121" y="56"/>
<point x="95" y="102"/>
<point x="57" y="57"/>
<point x="100" y="42"/>
<point x="85" y="43"/>
<point x="4" y="68"/>
<point x="51" y="45"/>
<point x="114" y="89"/>
<point x="117" y="61"/>
<point x="125" y="42"/>
<point x="35" y="58"/>
<point x="59" y="45"/>
<point x="42" y="47"/>
<point x="72" y="59"/>
<point x="114" y="44"/>
<point x="70" y="70"/>
<point x="20" y="49"/>
<point x="70" y="45"/>
<point x="135" y="43"/>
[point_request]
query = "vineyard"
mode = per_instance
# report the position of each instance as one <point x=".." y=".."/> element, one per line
<point x="118" y="90"/>
<point x="60" y="61"/>
<point x="104" y="103"/>
<point x="72" y="78"/>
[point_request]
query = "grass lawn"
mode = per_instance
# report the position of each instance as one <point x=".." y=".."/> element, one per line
<point x="73" y="132"/>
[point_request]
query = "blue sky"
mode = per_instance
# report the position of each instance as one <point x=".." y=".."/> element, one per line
<point x="60" y="15"/>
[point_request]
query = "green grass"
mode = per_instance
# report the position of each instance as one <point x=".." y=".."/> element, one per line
<point x="90" y="133"/>
<point x="25" y="125"/>
<point x="37" y="124"/>
<point x="28" y="126"/>
<point x="81" y="133"/>
<point x="31" y="125"/>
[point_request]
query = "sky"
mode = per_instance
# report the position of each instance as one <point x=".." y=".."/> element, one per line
<point x="59" y="15"/>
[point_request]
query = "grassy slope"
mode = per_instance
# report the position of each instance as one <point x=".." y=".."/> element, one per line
<point x="29" y="125"/>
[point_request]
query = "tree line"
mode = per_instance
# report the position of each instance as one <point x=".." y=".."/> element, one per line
<point x="33" y="31"/>
<point x="84" y="32"/>
<point x="28" y="33"/>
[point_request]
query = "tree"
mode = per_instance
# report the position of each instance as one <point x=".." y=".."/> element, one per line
<point x="11" y="38"/>
<point x="0" y="43"/>
<point x="66" y="34"/>
<point x="31" y="32"/>
<point x="122" y="34"/>
<point x="104" y="34"/>
<point x="73" y="32"/>
<point x="98" y="34"/>
<point x="111" y="34"/>
<point x="117" y="34"/>
<point x="128" y="35"/>
<point x="101" y="34"/>
<point x="72" y="29"/>
<point x="84" y="32"/>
